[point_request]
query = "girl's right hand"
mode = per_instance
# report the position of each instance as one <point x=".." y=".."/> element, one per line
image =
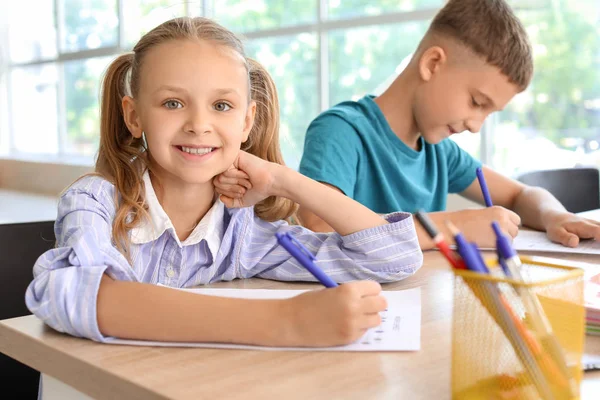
<point x="335" y="316"/>
<point x="249" y="181"/>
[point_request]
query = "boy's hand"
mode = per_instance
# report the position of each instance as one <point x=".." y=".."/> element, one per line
<point x="476" y="224"/>
<point x="248" y="181"/>
<point x="336" y="316"/>
<point x="567" y="228"/>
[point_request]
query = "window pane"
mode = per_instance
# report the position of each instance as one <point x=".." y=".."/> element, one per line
<point x="360" y="8"/>
<point x="471" y="142"/>
<point x="253" y="15"/>
<point x="33" y="108"/>
<point x="556" y="122"/>
<point x="140" y="16"/>
<point x="27" y="44"/>
<point x="291" y="61"/>
<point x="82" y="83"/>
<point x="367" y="60"/>
<point x="88" y="24"/>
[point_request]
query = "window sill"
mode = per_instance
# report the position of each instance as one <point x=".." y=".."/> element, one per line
<point x="41" y="174"/>
<point x="72" y="160"/>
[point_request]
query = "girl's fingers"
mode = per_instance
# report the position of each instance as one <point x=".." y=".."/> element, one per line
<point x="373" y="304"/>
<point x="230" y="202"/>
<point x="371" y="321"/>
<point x="225" y="189"/>
<point x="235" y="176"/>
<point x="224" y="180"/>
<point x="233" y="195"/>
<point x="236" y="173"/>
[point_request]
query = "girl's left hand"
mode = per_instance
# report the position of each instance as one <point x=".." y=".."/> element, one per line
<point x="247" y="182"/>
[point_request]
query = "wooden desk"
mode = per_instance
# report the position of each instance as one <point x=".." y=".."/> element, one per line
<point x="129" y="372"/>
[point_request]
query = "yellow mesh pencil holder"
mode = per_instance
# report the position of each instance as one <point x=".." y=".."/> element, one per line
<point x="502" y="348"/>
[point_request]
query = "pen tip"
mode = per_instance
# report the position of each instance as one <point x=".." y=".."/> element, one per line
<point x="426" y="223"/>
<point x="452" y="228"/>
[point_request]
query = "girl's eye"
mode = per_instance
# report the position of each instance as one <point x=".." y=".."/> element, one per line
<point x="475" y="103"/>
<point x="172" y="104"/>
<point x="221" y="106"/>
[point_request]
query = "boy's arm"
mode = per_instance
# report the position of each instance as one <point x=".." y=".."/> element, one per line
<point x="537" y="208"/>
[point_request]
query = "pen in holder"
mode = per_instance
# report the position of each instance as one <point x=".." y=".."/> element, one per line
<point x="492" y="357"/>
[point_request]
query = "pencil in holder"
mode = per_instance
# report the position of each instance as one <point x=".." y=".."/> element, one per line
<point x="498" y="347"/>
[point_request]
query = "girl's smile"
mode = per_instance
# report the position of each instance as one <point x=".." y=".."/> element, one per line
<point x="195" y="153"/>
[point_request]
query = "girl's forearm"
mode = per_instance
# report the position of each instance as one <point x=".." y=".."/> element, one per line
<point x="133" y="310"/>
<point x="342" y="213"/>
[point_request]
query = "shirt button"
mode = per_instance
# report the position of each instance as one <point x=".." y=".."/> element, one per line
<point x="170" y="272"/>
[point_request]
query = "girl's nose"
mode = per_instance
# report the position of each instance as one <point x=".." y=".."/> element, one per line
<point x="199" y="122"/>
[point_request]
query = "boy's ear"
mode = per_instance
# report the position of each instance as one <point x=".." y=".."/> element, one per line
<point x="132" y="119"/>
<point x="431" y="61"/>
<point x="249" y="120"/>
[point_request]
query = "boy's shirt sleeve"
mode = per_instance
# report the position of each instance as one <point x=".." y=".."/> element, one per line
<point x="67" y="278"/>
<point x="386" y="253"/>
<point x="461" y="167"/>
<point x="331" y="154"/>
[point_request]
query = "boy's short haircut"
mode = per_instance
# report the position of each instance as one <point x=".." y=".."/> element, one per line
<point x="491" y="30"/>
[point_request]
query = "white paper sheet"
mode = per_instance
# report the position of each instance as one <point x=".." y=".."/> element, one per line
<point x="528" y="240"/>
<point x="400" y="329"/>
<point x="539" y="242"/>
<point x="592" y="214"/>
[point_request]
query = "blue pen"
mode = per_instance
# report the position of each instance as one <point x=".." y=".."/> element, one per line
<point x="304" y="257"/>
<point x="488" y="203"/>
<point x="484" y="188"/>
<point x="506" y="254"/>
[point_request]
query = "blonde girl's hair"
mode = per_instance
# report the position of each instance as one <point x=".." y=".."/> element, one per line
<point x="121" y="157"/>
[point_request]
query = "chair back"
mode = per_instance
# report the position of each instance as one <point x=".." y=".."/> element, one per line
<point x="20" y="246"/>
<point x="578" y="189"/>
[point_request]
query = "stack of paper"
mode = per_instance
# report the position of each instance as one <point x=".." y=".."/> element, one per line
<point x="592" y="303"/>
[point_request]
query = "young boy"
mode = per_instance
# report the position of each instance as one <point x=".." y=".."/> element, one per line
<point x="392" y="152"/>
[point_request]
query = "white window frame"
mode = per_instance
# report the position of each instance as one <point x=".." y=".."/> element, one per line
<point x="321" y="28"/>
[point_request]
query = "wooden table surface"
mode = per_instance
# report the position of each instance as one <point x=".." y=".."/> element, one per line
<point x="129" y="372"/>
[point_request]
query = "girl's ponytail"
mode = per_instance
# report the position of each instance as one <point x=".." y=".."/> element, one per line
<point x="120" y="155"/>
<point x="263" y="140"/>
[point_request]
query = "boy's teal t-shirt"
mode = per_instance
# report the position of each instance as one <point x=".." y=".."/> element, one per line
<point x="351" y="146"/>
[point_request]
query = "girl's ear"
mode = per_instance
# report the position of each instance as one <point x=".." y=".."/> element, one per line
<point x="249" y="120"/>
<point x="431" y="61"/>
<point x="131" y="117"/>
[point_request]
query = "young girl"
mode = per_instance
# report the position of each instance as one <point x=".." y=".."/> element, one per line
<point x="175" y="113"/>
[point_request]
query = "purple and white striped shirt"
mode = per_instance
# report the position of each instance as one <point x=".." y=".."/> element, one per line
<point x="225" y="245"/>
